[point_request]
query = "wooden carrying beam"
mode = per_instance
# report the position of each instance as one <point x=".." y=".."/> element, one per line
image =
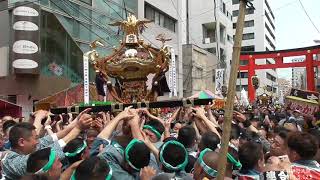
<point x="120" y="106"/>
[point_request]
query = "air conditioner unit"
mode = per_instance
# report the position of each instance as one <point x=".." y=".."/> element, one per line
<point x="207" y="40"/>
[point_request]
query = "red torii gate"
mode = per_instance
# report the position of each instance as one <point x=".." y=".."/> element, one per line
<point x="278" y="56"/>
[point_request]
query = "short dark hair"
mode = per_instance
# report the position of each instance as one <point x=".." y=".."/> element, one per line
<point x="209" y="140"/>
<point x="249" y="155"/>
<point x="235" y="131"/>
<point x="92" y="168"/>
<point x="191" y="161"/>
<point x="187" y="136"/>
<point x="282" y="132"/>
<point x="304" y="144"/>
<point x="139" y="155"/>
<point x="6" y="125"/>
<point x="173" y="155"/>
<point x="71" y="147"/>
<point x="157" y="125"/>
<point x="38" y="159"/>
<point x="20" y="130"/>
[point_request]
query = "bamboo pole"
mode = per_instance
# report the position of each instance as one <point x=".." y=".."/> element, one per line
<point x="222" y="161"/>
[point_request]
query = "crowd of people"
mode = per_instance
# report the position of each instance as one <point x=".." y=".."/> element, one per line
<point x="270" y="143"/>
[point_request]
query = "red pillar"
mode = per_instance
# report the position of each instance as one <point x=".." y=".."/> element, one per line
<point x="310" y="72"/>
<point x="251" y="90"/>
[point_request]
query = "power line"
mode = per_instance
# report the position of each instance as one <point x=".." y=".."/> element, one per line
<point x="308" y="16"/>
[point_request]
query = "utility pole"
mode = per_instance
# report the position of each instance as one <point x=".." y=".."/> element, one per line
<point x="187" y="23"/>
<point x="231" y="91"/>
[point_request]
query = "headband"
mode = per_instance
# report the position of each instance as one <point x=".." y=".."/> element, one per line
<point x="169" y="166"/>
<point x="79" y="150"/>
<point x="49" y="164"/>
<point x="128" y="148"/>
<point x="153" y="130"/>
<point x="236" y="164"/>
<point x="109" y="176"/>
<point x="210" y="171"/>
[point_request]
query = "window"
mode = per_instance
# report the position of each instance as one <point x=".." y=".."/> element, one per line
<point x="212" y="50"/>
<point x="160" y="18"/>
<point x="243" y="75"/>
<point x="235" y="13"/>
<point x="269" y="9"/>
<point x="270" y="21"/>
<point x="269" y="30"/>
<point x="247" y="48"/>
<point x="209" y="33"/>
<point x="249" y="23"/>
<point x="271" y="88"/>
<point x="229" y="38"/>
<point x="248" y="36"/>
<point x="269" y="41"/>
<point x="222" y="33"/>
<point x="248" y="11"/>
<point x="246" y="24"/>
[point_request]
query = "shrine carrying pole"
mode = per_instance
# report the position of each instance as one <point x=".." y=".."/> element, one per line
<point x="231" y="91"/>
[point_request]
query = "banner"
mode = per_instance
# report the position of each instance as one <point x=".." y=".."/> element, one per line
<point x="306" y="102"/>
<point x="219" y="80"/>
<point x="25" y="43"/>
<point x="86" y="94"/>
<point x="174" y="80"/>
<point x="172" y="75"/>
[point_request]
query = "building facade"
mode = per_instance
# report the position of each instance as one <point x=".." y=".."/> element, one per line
<point x="258" y="35"/>
<point x="210" y="28"/>
<point x="65" y="29"/>
<point x="197" y="64"/>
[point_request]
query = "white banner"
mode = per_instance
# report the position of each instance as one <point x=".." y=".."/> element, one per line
<point x="86" y="95"/>
<point x="173" y="70"/>
<point x="219" y="80"/>
<point x="170" y="79"/>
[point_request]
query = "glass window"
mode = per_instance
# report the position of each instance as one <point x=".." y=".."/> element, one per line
<point x="159" y="18"/>
<point x="156" y="18"/>
<point x="248" y="11"/>
<point x="149" y="13"/>
<point x="247" y="48"/>
<point x="235" y="13"/>
<point x="249" y="23"/>
<point x="60" y="55"/>
<point x="248" y="36"/>
<point x="85" y="32"/>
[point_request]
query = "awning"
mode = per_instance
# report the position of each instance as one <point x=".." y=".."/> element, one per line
<point x="9" y="109"/>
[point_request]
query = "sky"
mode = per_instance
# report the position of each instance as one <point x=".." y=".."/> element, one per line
<point x="293" y="27"/>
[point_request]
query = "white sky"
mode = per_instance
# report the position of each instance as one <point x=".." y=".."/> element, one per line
<point x="293" y="28"/>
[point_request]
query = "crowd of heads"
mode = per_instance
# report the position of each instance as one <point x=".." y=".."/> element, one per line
<point x="271" y="142"/>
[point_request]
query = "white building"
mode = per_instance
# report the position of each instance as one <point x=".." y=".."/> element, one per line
<point x="258" y="35"/>
<point x="206" y="24"/>
<point x="299" y="79"/>
<point x="210" y="28"/>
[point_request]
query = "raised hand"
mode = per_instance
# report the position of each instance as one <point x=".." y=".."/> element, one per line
<point x="147" y="173"/>
<point x="240" y="117"/>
